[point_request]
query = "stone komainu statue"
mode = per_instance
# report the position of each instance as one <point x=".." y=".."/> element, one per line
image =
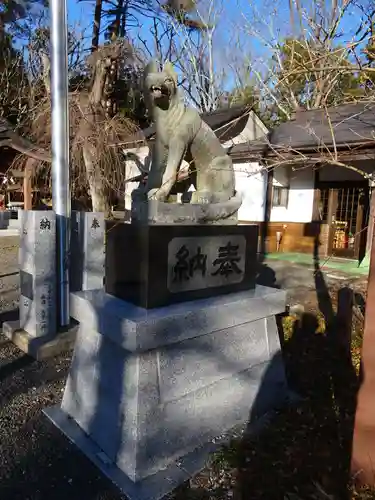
<point x="182" y="134"/>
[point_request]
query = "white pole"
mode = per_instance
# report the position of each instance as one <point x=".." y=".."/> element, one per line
<point x="60" y="151"/>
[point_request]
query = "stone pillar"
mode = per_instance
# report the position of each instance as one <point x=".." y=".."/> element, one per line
<point x="37" y="259"/>
<point x="36" y="332"/>
<point x="87" y="250"/>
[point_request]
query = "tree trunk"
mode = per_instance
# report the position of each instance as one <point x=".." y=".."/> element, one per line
<point x="27" y="184"/>
<point x="92" y="121"/>
<point x="371" y="219"/>
<point x="96" y="27"/>
<point x="363" y="452"/>
<point x="120" y="6"/>
<point x="99" y="198"/>
<point x="46" y="71"/>
<point x="124" y="19"/>
<point x="370" y="227"/>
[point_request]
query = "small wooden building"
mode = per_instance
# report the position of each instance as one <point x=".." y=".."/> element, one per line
<point x="318" y="171"/>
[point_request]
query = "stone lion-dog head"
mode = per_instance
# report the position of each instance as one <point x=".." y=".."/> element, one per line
<point x="160" y="86"/>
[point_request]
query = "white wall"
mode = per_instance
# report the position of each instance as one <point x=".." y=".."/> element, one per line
<point x="251" y="181"/>
<point x="301" y="192"/>
<point x="301" y="195"/>
<point x="132" y="170"/>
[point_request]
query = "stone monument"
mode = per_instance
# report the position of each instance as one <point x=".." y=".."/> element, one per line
<point x="180" y="346"/>
<point x="87" y="243"/>
<point x="36" y="331"/>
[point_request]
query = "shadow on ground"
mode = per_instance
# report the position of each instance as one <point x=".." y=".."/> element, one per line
<point x="304" y="451"/>
<point x="307" y="447"/>
<point x="36" y="461"/>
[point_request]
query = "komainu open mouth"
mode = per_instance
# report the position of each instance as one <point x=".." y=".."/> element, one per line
<point x="158" y="90"/>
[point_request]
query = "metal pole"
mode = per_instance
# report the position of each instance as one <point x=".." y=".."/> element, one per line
<point x="60" y="151"/>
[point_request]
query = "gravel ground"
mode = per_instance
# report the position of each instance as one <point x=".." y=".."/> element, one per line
<point x="36" y="461"/>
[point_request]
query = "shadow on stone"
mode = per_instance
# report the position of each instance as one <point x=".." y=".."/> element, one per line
<point x="301" y="444"/>
<point x="9" y="274"/>
<point x="61" y="472"/>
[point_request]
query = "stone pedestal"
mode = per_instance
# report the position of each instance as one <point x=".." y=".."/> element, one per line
<point x="36" y="331"/>
<point x="87" y="250"/>
<point x="148" y="389"/>
<point x="160" y="213"/>
<point x="154" y="266"/>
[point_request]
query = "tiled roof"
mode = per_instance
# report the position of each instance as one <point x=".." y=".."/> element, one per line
<point x="342" y="127"/>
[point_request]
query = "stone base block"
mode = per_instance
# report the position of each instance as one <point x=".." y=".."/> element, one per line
<point x="151" y="387"/>
<point x="158" y="212"/>
<point x="155" y="266"/>
<point x="163" y="482"/>
<point x="40" y="347"/>
<point x="152" y="488"/>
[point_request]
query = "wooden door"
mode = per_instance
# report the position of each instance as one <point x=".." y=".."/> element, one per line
<point x="344" y="210"/>
<point x="346" y="221"/>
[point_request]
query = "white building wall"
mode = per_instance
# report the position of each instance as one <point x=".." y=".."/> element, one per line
<point x="301" y="195"/>
<point x="251" y="182"/>
<point x="132" y="170"/>
<point x="301" y="188"/>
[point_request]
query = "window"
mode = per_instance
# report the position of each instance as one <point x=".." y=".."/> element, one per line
<point x="280" y="196"/>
